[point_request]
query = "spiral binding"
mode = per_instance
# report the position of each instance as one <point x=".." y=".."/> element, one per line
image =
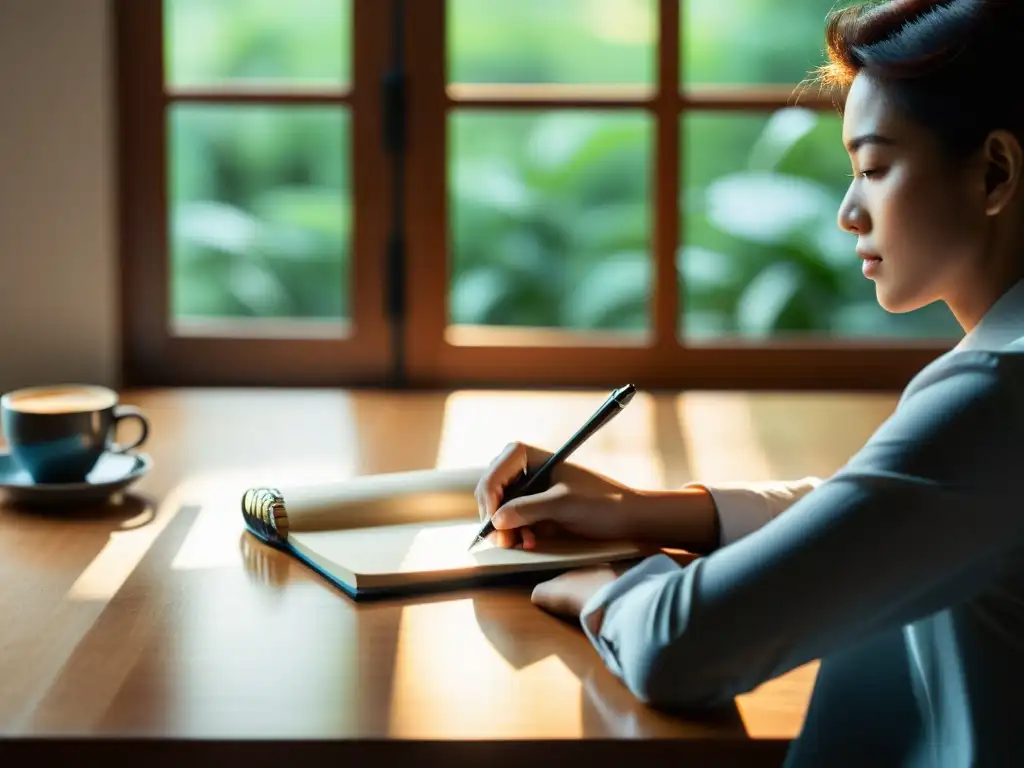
<point x="264" y="511"/>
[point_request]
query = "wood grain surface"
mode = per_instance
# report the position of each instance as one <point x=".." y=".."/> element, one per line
<point x="158" y="620"/>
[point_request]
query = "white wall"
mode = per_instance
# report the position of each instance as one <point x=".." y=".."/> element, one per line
<point x="58" y="292"/>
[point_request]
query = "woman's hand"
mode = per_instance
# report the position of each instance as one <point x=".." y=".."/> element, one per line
<point x="578" y="502"/>
<point x="566" y="594"/>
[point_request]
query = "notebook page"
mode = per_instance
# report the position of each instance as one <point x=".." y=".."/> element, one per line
<point x="423" y="552"/>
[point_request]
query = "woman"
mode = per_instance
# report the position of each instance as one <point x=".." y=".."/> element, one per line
<point x="904" y="571"/>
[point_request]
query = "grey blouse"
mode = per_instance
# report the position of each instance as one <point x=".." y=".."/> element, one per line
<point x="903" y="573"/>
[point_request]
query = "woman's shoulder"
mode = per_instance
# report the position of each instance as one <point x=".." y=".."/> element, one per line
<point x="989" y="373"/>
<point x="959" y="423"/>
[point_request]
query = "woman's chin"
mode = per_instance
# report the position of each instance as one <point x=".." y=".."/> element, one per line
<point x="894" y="301"/>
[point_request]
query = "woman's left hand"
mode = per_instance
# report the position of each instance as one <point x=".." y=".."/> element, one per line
<point x="566" y="594"/>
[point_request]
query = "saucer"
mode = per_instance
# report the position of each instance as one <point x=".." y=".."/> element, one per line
<point x="113" y="472"/>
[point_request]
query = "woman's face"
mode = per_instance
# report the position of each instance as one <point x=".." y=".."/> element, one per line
<point x="909" y="204"/>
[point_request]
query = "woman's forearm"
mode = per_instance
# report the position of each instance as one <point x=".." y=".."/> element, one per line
<point x="683" y="519"/>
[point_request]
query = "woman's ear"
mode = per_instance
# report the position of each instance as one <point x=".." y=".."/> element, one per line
<point x="1003" y="160"/>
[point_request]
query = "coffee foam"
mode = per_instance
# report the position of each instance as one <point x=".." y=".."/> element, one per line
<point x="60" y="400"/>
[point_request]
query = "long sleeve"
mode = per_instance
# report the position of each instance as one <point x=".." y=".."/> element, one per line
<point x="922" y="516"/>
<point x="744" y="507"/>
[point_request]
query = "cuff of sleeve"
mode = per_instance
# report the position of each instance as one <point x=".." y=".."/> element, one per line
<point x="745" y="507"/>
<point x="598" y="615"/>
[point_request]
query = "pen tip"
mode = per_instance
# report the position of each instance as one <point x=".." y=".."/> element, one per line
<point x="476" y="541"/>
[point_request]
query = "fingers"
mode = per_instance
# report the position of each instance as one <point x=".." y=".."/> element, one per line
<point x="503" y="469"/>
<point x="506" y="539"/>
<point x="513" y="538"/>
<point x="531" y="534"/>
<point x="528" y="535"/>
<point x="567" y="594"/>
<point x="506" y="467"/>
<point x="546" y="530"/>
<point x="549" y="504"/>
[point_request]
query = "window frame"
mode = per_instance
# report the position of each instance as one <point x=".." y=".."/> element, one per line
<point x="244" y="353"/>
<point x="564" y="358"/>
<point x="404" y="341"/>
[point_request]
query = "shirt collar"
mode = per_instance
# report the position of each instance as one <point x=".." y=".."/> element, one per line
<point x="1001" y="325"/>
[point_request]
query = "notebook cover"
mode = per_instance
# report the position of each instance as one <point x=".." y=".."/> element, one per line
<point x="520" y="578"/>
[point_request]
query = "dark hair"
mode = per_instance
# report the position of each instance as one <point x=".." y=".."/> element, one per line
<point x="949" y="65"/>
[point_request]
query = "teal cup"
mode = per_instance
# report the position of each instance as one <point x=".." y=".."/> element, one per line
<point x="57" y="433"/>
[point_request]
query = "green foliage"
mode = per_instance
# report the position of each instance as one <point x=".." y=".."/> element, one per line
<point x="261" y="216"/>
<point x="556" y="203"/>
<point x="209" y="41"/>
<point x="551" y="211"/>
<point x="751" y="41"/>
<point x="540" y="41"/>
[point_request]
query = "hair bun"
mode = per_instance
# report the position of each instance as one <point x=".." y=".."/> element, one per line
<point x="952" y="17"/>
<point x="906" y="38"/>
<point x="948" y="62"/>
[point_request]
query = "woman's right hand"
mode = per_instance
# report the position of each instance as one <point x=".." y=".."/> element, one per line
<point x="577" y="502"/>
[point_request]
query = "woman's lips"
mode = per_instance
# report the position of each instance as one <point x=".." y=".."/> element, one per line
<point x="870" y="263"/>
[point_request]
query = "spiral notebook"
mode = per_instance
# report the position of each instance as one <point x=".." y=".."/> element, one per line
<point x="403" y="532"/>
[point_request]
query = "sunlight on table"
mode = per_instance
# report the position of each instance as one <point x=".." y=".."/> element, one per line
<point x="124" y="550"/>
<point x="442" y="655"/>
<point x="721" y="438"/>
<point x="775" y="710"/>
<point x="478" y="426"/>
<point x="210" y="540"/>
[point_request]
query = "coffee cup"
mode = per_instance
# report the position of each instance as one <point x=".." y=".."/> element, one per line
<point x="57" y="433"/>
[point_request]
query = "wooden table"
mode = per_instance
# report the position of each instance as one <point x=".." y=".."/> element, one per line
<point x="161" y="622"/>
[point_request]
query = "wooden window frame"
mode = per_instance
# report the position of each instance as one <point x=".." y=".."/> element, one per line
<point x="406" y="341"/>
<point x="256" y="353"/>
<point x="527" y="357"/>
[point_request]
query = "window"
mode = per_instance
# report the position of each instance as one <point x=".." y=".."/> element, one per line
<point x="478" y="192"/>
<point x="255" y="193"/>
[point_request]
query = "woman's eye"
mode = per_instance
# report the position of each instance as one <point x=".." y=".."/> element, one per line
<point x="867" y="173"/>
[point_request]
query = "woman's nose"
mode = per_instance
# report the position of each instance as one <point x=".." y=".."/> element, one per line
<point x="852" y="216"/>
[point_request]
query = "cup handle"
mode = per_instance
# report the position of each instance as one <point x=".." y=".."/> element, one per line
<point x="122" y="412"/>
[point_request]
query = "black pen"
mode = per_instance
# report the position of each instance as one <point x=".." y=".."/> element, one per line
<point x="539" y="480"/>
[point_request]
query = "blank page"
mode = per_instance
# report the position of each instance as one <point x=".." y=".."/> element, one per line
<point x="415" y="553"/>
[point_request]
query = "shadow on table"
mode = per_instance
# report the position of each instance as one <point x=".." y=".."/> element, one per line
<point x="609" y="709"/>
<point x="613" y="723"/>
<point x="104" y="635"/>
<point x="124" y="511"/>
<point x="56" y="544"/>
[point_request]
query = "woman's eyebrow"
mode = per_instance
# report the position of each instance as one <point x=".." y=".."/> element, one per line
<point x="868" y="138"/>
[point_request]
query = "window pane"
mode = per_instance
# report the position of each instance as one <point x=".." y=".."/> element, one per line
<point x="539" y="41"/>
<point x="550" y="219"/>
<point x="298" y="41"/>
<point x="764" y="256"/>
<point x="259" y="211"/>
<point x="751" y="41"/>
